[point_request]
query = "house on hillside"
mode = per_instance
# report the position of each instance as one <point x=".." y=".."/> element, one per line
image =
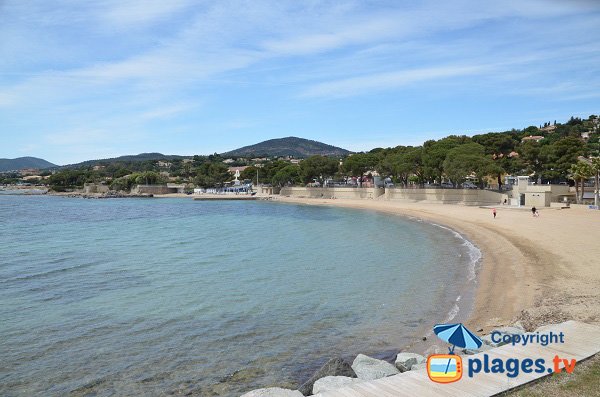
<point x="232" y="170"/>
<point x="549" y="128"/>
<point x="29" y="171"/>
<point x="534" y="138"/>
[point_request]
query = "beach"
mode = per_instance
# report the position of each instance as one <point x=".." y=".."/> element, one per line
<point x="534" y="270"/>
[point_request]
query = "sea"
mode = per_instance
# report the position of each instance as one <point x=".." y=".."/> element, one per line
<point x="157" y="296"/>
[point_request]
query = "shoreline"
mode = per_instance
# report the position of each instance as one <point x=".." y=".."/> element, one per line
<point x="531" y="269"/>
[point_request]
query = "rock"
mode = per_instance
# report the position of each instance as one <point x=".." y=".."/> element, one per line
<point x="511" y="330"/>
<point x="273" y="392"/>
<point x="518" y="324"/>
<point x="333" y="367"/>
<point x="333" y="382"/>
<point x="487" y="339"/>
<point x="483" y="347"/>
<point x="417" y="367"/>
<point x="404" y="361"/>
<point x="368" y="368"/>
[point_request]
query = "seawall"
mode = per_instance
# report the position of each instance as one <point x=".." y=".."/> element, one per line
<point x="474" y="197"/>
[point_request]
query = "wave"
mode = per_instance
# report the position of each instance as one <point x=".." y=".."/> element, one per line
<point x="473" y="252"/>
<point x="49" y="272"/>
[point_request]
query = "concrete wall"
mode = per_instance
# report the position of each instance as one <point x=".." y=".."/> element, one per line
<point x="153" y="189"/>
<point x="447" y="196"/>
<point x="332" y="192"/>
<point x="268" y="190"/>
<point x="89" y="188"/>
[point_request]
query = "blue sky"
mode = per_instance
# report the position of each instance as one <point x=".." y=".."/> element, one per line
<point x="93" y="79"/>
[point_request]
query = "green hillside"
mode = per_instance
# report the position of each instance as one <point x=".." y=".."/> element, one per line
<point x="24" y="162"/>
<point x="290" y="146"/>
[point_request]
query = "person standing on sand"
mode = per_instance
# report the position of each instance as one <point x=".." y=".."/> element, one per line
<point x="494" y="212"/>
<point x="533" y="211"/>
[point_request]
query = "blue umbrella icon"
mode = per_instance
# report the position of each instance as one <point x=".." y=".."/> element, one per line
<point x="457" y="335"/>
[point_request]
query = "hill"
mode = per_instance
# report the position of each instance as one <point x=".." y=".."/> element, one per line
<point x="127" y="159"/>
<point x="24" y="162"/>
<point x="290" y="146"/>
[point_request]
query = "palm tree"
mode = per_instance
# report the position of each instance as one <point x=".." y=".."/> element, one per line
<point x="580" y="171"/>
<point x="596" y="170"/>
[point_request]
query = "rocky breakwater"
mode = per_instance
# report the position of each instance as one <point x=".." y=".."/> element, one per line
<point x="337" y="373"/>
<point x="109" y="194"/>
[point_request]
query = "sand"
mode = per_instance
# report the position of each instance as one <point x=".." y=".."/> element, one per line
<point x="535" y="270"/>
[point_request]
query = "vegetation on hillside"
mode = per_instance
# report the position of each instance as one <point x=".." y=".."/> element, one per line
<point x="24" y="162"/>
<point x="290" y="146"/>
<point x="552" y="153"/>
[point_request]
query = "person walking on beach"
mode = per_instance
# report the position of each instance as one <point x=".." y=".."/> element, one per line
<point x="494" y="212"/>
<point x="533" y="211"/>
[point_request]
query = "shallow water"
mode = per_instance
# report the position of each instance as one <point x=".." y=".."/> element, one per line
<point x="161" y="296"/>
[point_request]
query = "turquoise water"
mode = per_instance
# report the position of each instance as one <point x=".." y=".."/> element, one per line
<point x="162" y="296"/>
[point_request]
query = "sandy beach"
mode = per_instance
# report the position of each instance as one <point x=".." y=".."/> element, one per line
<point x="535" y="270"/>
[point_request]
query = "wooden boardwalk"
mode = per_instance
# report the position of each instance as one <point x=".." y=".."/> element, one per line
<point x="581" y="341"/>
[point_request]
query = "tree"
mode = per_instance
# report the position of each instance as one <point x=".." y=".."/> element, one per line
<point x="580" y="171"/>
<point x="557" y="158"/>
<point x="359" y="163"/>
<point x="212" y="175"/>
<point x="530" y="155"/>
<point x="435" y="152"/>
<point x="407" y="163"/>
<point x="596" y="172"/>
<point x="318" y="167"/>
<point x="465" y="160"/>
<point x="499" y="145"/>
<point x="287" y="175"/>
<point x="148" y="178"/>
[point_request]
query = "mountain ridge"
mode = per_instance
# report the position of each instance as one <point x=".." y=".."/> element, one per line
<point x="288" y="146"/>
<point x="20" y="163"/>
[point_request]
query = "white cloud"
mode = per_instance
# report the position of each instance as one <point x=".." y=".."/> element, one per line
<point x="386" y="81"/>
<point x="141" y="12"/>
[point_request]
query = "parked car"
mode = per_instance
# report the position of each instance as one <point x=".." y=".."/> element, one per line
<point x="447" y="185"/>
<point x="469" y="185"/>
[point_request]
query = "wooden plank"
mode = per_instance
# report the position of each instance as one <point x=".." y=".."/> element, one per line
<point x="580" y="341"/>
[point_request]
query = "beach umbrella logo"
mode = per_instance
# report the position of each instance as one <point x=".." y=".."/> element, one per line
<point x="457" y="335"/>
<point x="447" y="368"/>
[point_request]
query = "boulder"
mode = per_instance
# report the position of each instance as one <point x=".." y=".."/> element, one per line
<point x="369" y="368"/>
<point x="273" y="392"/>
<point x="487" y="339"/>
<point x="417" y="367"/>
<point x="333" y="382"/>
<point x="512" y="330"/>
<point x="483" y="348"/>
<point x="333" y="367"/>
<point x="404" y="361"/>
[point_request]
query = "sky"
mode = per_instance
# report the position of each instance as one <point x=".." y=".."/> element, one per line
<point x="84" y="80"/>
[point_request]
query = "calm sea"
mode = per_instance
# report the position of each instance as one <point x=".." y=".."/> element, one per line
<point x="167" y="296"/>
